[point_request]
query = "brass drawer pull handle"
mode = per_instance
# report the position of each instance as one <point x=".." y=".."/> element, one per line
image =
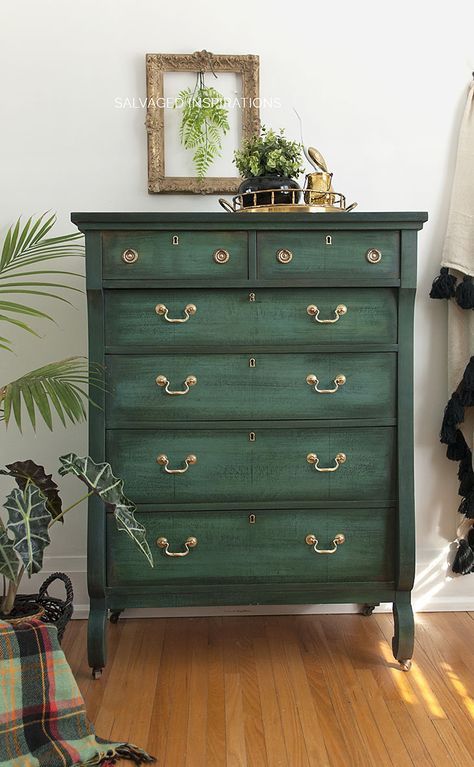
<point x="374" y="256"/>
<point x="163" y="381"/>
<point x="190" y="543"/>
<point x="190" y="460"/>
<point x="129" y="256"/>
<point x="338" y="540"/>
<point x="221" y="256"/>
<point x="162" y="311"/>
<point x="284" y="256"/>
<point x="313" y="311"/>
<point x="314" y="460"/>
<point x="313" y="380"/>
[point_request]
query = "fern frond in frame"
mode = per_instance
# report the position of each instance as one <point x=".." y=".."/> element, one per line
<point x="204" y="123"/>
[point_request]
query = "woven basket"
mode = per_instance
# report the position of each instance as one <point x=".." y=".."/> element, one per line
<point x="54" y="610"/>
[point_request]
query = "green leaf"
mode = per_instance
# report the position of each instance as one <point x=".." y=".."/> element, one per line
<point x="100" y="480"/>
<point x="28" y="471"/>
<point x="8" y="558"/>
<point x="28" y="245"/>
<point x="28" y="521"/>
<point x="56" y="387"/>
<point x="204" y="122"/>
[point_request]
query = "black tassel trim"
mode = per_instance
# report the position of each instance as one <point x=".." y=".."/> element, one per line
<point x="464" y="559"/>
<point x="466" y="475"/>
<point x="466" y="387"/>
<point x="465" y="293"/>
<point x="453" y="415"/>
<point x="458" y="449"/>
<point x="444" y="285"/>
<point x="466" y="506"/>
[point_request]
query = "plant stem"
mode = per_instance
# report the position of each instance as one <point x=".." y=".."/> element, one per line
<point x="9" y="599"/>
<point x="65" y="511"/>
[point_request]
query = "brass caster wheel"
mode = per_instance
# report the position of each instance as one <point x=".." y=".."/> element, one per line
<point x="405" y="665"/>
<point x="96" y="673"/>
<point x="115" y="615"/>
<point x="368" y="610"/>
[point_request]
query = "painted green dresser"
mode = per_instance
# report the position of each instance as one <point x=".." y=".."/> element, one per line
<point x="258" y="406"/>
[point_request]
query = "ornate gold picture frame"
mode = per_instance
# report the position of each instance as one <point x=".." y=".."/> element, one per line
<point x="157" y="64"/>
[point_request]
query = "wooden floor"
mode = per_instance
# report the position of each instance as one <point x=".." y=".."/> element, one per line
<point x="293" y="691"/>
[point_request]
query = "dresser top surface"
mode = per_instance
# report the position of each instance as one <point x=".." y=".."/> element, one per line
<point x="114" y="220"/>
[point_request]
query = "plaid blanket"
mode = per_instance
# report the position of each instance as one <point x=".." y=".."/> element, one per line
<point x="43" y="720"/>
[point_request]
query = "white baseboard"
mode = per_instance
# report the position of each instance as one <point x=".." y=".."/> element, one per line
<point x="428" y="596"/>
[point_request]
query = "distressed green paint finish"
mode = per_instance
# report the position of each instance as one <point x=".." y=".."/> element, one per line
<point x="271" y="550"/>
<point x="228" y="317"/>
<point x="274" y="467"/>
<point x="329" y="253"/>
<point x="159" y="258"/>
<point x="369" y="498"/>
<point x="228" y="388"/>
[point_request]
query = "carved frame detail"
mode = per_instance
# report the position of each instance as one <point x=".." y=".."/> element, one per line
<point x="201" y="61"/>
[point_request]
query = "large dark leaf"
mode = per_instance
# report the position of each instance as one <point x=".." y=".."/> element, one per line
<point x="28" y="521"/>
<point x="100" y="480"/>
<point x="8" y="558"/>
<point x="24" y="471"/>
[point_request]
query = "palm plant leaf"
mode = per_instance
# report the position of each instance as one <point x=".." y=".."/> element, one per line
<point x="28" y="521"/>
<point x="57" y="387"/>
<point x="28" y="471"/>
<point x="100" y="480"/>
<point x="26" y="246"/>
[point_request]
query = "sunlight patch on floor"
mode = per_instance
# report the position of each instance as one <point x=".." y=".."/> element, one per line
<point x="460" y="688"/>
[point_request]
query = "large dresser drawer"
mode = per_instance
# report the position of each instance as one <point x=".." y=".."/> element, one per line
<point x="284" y="255"/>
<point x="175" y="255"/>
<point x="270" y="317"/>
<point x="210" y="387"/>
<point x="272" y="549"/>
<point x="227" y="466"/>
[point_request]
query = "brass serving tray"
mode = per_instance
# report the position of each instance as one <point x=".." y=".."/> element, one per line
<point x="297" y="208"/>
<point x="331" y="202"/>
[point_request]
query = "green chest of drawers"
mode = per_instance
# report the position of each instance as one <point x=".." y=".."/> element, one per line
<point x="258" y="406"/>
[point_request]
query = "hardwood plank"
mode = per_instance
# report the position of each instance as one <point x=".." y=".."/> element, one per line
<point x="271" y="716"/>
<point x="236" y="753"/>
<point x="292" y="732"/>
<point x="198" y="695"/>
<point x="216" y="719"/>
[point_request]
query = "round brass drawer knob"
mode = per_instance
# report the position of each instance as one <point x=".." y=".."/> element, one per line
<point x="284" y="256"/>
<point x="129" y="256"/>
<point x="221" y="256"/>
<point x="374" y="256"/>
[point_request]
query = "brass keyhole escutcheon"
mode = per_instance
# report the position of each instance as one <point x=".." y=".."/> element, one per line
<point x="252" y="362"/>
<point x="374" y="256"/>
<point x="252" y="297"/>
<point x="328" y="239"/>
<point x="175" y="239"/>
<point x="129" y="256"/>
<point x="252" y="519"/>
<point x="221" y="256"/>
<point x="252" y="436"/>
<point x="284" y="256"/>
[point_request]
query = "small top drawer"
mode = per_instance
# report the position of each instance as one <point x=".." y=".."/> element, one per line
<point x="345" y="254"/>
<point x="174" y="255"/>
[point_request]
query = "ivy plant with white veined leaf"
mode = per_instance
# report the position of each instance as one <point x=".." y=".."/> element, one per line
<point x="35" y="505"/>
<point x="204" y="123"/>
<point x="25" y="277"/>
<point x="100" y="480"/>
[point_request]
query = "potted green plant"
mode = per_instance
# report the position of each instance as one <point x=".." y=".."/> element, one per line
<point x="269" y="161"/>
<point x="35" y="505"/>
<point x="27" y="258"/>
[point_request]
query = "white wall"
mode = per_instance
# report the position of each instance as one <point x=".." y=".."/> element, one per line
<point x="380" y="89"/>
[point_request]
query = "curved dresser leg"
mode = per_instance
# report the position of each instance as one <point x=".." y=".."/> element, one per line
<point x="404" y="637"/>
<point x="96" y="645"/>
<point x="115" y="615"/>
